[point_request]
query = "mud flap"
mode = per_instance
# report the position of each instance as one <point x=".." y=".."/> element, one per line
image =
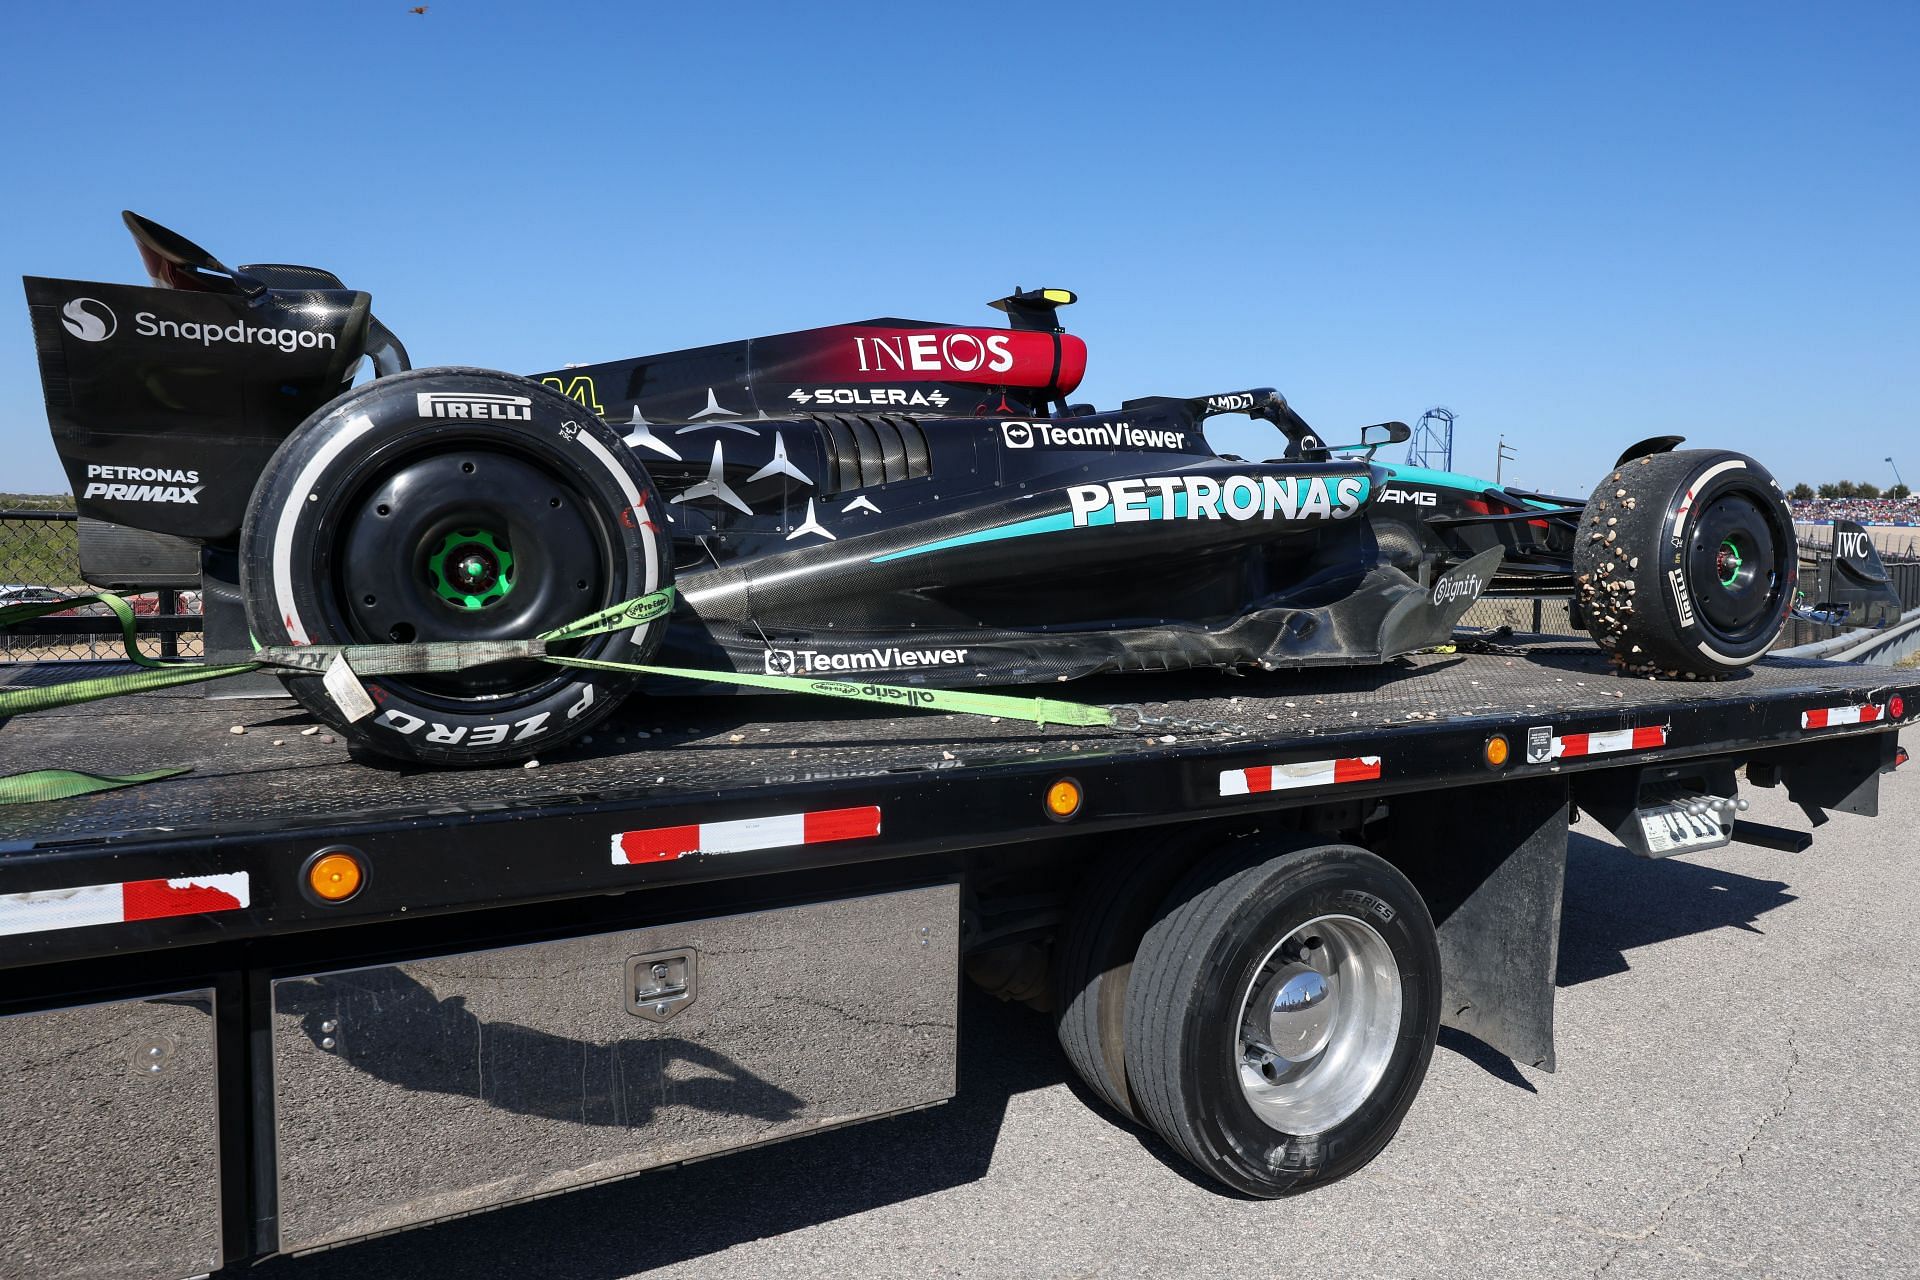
<point x="1495" y="901"/>
<point x="1427" y="618"/>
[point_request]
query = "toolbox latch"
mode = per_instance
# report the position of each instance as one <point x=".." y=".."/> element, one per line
<point x="661" y="983"/>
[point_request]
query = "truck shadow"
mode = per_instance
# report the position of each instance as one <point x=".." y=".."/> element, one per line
<point x="672" y="1215"/>
<point x="1616" y="903"/>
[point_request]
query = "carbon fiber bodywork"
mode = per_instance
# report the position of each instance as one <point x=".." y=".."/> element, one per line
<point x="906" y="499"/>
<point x="1025" y="551"/>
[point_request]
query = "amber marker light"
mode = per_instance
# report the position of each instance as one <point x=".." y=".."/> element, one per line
<point x="1063" y="799"/>
<point x="334" y="875"/>
<point x="1496" y="751"/>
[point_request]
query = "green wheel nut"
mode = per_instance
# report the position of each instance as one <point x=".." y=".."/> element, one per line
<point x="471" y="568"/>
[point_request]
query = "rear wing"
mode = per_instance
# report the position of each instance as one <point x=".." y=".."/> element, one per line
<point x="165" y="404"/>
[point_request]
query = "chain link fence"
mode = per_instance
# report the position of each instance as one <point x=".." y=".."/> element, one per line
<point x="1549" y="616"/>
<point x="1536" y="614"/>
<point x="40" y="561"/>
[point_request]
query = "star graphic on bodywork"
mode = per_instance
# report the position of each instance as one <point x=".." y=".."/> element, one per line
<point x="715" y="485"/>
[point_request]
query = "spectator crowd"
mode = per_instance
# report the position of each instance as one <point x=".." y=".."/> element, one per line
<point x="1896" y="511"/>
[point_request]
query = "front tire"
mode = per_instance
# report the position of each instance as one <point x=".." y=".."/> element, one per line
<point x="1281" y="1013"/>
<point x="1685" y="563"/>
<point x="446" y="505"/>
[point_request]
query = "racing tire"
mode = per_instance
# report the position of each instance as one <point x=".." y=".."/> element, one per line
<point x="380" y="521"/>
<point x="1093" y="960"/>
<point x="1326" y="952"/>
<point x="1685" y="563"/>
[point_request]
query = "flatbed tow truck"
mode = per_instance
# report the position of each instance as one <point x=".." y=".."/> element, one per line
<point x="290" y="999"/>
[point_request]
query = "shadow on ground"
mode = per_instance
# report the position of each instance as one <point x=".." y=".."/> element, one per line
<point x="1616" y="903"/>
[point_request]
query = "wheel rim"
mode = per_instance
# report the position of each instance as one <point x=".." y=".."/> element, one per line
<point x="1729" y="562"/>
<point x="467" y="543"/>
<point x="1734" y="568"/>
<point x="1318" y="1025"/>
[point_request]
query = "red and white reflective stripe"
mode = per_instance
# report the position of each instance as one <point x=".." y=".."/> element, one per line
<point x="1600" y="744"/>
<point x="1291" y="777"/>
<point x="122" y="903"/>
<point x="1825" y="717"/>
<point x="823" y="826"/>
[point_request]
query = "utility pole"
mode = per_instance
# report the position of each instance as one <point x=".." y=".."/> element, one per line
<point x="1502" y="455"/>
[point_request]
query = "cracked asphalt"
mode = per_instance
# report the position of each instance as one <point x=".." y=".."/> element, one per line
<point x="1738" y="1095"/>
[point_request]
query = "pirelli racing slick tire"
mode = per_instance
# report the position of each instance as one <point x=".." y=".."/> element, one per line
<point x="455" y="504"/>
<point x="1685" y="563"/>
<point x="1282" y="1011"/>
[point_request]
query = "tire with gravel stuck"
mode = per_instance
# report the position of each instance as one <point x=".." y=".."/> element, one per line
<point x="1685" y="563"/>
<point x="1282" y="1012"/>
<point x="455" y="504"/>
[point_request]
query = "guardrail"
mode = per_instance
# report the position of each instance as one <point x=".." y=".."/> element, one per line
<point x="1887" y="645"/>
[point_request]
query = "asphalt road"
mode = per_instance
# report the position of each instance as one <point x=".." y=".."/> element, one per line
<point x="1739" y="1094"/>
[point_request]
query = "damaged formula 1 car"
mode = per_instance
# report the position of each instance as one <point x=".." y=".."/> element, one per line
<point x="902" y="501"/>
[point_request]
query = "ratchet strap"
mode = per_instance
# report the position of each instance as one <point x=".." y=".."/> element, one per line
<point x="59" y="784"/>
<point x="340" y="666"/>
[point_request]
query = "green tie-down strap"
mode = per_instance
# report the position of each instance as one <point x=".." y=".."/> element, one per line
<point x="1038" y="710"/>
<point x="59" y="784"/>
<point x="445" y="656"/>
<point x="159" y="674"/>
<point x="14" y="613"/>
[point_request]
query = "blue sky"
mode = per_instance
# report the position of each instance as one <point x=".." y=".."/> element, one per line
<point x="1577" y="225"/>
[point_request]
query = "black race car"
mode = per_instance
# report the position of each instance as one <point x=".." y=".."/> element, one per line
<point x="903" y="501"/>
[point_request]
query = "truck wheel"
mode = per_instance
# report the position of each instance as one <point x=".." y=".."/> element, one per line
<point x="1093" y="961"/>
<point x="1685" y="563"/>
<point x="454" y="504"/>
<point x="1282" y="1012"/>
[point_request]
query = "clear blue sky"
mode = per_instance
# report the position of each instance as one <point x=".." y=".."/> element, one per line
<point x="1575" y="224"/>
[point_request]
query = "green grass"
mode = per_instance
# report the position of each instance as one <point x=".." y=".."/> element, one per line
<point x="36" y="502"/>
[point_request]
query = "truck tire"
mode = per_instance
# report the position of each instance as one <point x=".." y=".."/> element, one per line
<point x="1093" y="959"/>
<point x="1685" y="563"/>
<point x="1322" y="952"/>
<point x="381" y="521"/>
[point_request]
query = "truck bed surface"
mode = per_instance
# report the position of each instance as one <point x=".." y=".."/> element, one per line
<point x="659" y="750"/>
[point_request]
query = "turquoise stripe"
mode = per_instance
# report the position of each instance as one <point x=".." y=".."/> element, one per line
<point x="1063" y="520"/>
<point x="1056" y="523"/>
<point x="1018" y="529"/>
<point x="1438" y="479"/>
<point x="1451" y="480"/>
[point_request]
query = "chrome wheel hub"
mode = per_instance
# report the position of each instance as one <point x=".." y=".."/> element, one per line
<point x="1318" y="1024"/>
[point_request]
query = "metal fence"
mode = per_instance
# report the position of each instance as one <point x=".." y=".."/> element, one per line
<point x="40" y="560"/>
<point x="1537" y="614"/>
<point x="1549" y="616"/>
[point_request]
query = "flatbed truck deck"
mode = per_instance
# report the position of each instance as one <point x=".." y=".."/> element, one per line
<point x="728" y="920"/>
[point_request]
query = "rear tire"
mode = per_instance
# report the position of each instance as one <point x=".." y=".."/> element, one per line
<point x="375" y="524"/>
<point x="1327" y="952"/>
<point x="1093" y="961"/>
<point x="1685" y="563"/>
